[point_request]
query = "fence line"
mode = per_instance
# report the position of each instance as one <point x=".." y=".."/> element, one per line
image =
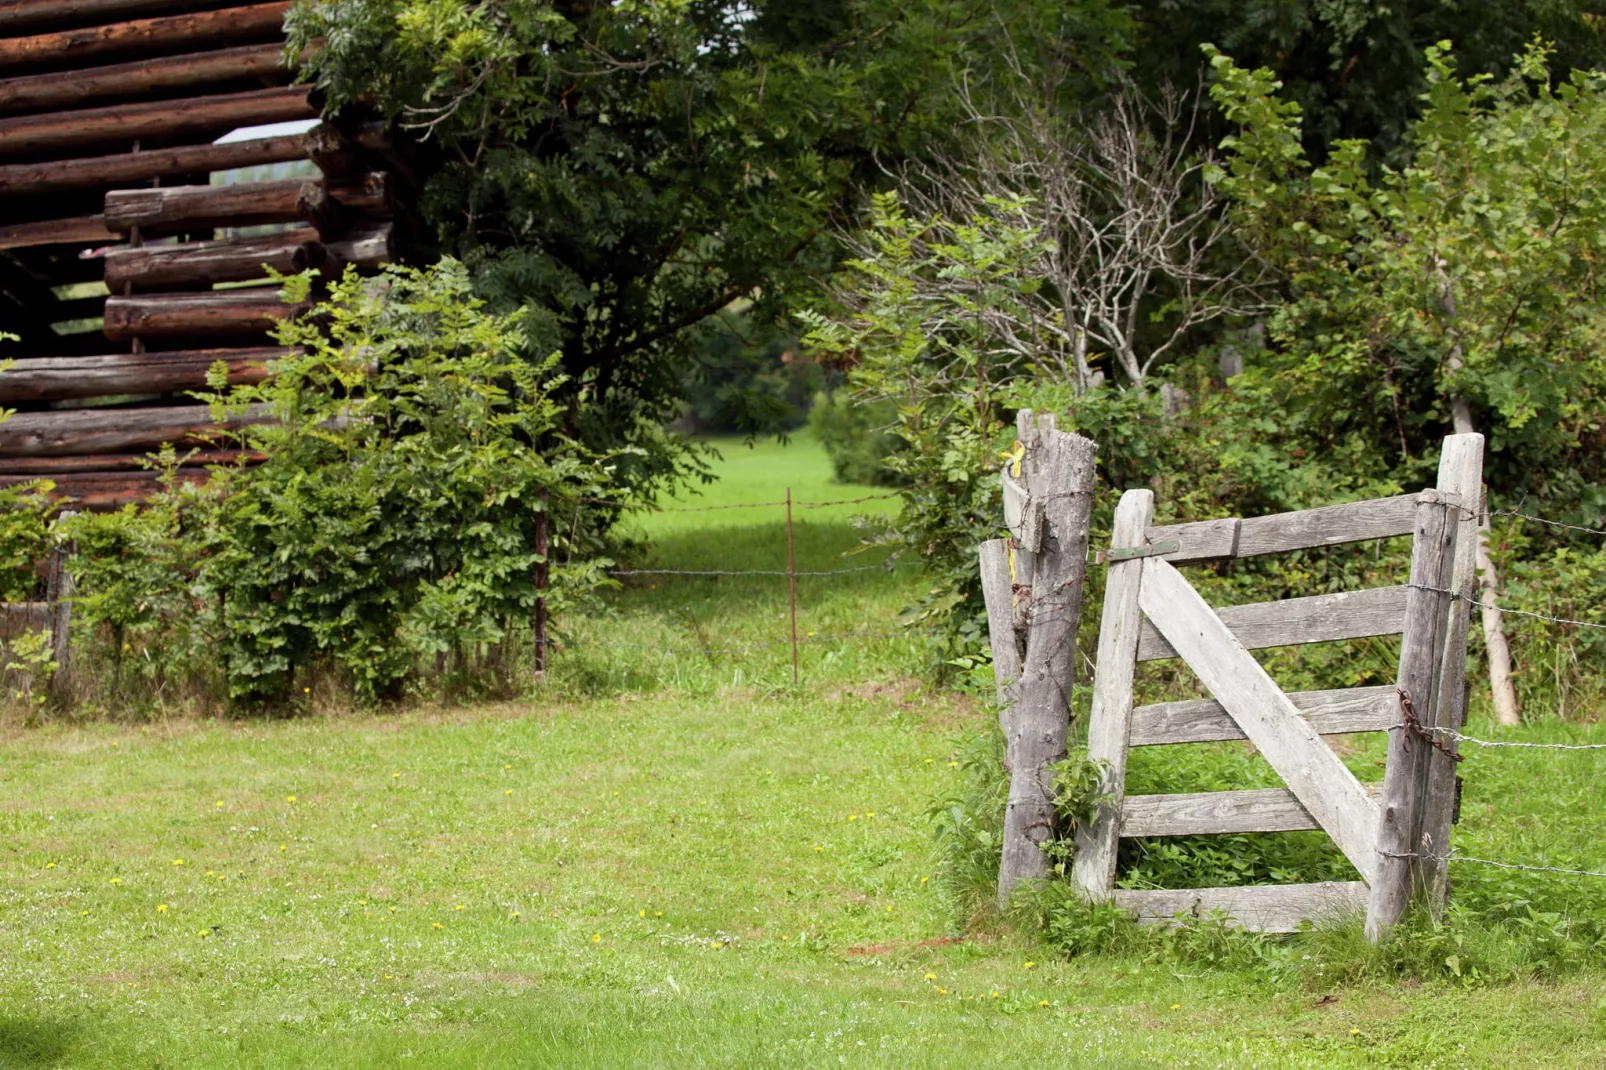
<point x="886" y="567"/>
<point x="824" y="504"/>
<point x="1542" y="520"/>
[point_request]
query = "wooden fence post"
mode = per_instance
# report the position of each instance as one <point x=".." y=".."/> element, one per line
<point x="542" y="573"/>
<point x="1057" y="472"/>
<point x="1399" y="872"/>
<point x="1460" y="473"/>
<point x="58" y="605"/>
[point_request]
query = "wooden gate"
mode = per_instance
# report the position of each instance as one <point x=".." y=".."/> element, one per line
<point x="1395" y="833"/>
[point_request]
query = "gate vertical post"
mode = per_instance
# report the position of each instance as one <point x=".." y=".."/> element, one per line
<point x="1110" y="723"/>
<point x="1399" y="872"/>
<point x="1461" y="473"/>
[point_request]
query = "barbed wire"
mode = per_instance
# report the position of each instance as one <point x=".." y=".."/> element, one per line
<point x="1475" y="741"/>
<point x="1458" y="857"/>
<point x="823" y="504"/>
<point x="1542" y="520"/>
<point x="1505" y="609"/>
<point x="887" y="567"/>
<point x="831" y="637"/>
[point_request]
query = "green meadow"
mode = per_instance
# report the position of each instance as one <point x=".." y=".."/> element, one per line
<point x="666" y="855"/>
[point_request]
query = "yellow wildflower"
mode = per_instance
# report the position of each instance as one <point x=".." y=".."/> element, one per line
<point x="437" y="925"/>
<point x="289" y="798"/>
<point x="1042" y="1003"/>
<point x="50" y="865"/>
<point x="161" y="908"/>
<point x="596" y="938"/>
<point x="1029" y="964"/>
<point x="931" y="977"/>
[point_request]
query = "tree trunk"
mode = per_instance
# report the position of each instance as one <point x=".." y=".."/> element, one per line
<point x="1058" y="474"/>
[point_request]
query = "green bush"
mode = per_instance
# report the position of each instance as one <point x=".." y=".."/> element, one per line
<point x="390" y="532"/>
<point x="855" y="436"/>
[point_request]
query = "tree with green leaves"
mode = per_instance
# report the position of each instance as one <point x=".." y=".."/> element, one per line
<point x="1460" y="291"/>
<point x="628" y="170"/>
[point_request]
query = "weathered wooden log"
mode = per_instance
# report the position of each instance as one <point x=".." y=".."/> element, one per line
<point x="148" y="267"/>
<point x="86" y="172"/>
<point x="208" y="115"/>
<point x="209" y="313"/>
<point x="83" y="431"/>
<point x="65" y="90"/>
<point x="84" y="230"/>
<point x="364" y="247"/>
<point x="318" y="206"/>
<point x="178" y="208"/>
<point x="55" y="467"/>
<point x="17" y="14"/>
<point x="237" y="25"/>
<point x="102" y="492"/>
<point x="54" y="378"/>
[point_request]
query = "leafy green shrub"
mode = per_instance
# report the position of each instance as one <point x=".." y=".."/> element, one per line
<point x="969" y="826"/>
<point x="856" y="438"/>
<point x="410" y="453"/>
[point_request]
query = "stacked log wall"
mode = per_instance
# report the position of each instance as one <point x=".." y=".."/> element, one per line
<point x="110" y="111"/>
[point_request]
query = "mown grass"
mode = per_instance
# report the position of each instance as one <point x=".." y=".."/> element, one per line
<point x="669" y="857"/>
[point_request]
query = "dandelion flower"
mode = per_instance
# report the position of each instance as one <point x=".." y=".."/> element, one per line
<point x="869" y="813"/>
<point x="178" y="861"/>
<point x="1029" y="964"/>
<point x="387" y="976"/>
<point x="50" y="865"/>
<point x="596" y="938"/>
<point x="995" y="993"/>
<point x="219" y="804"/>
<point x="161" y="908"/>
<point x="931" y="977"/>
<point x="643" y="914"/>
<point x="437" y="925"/>
<point x="923" y="880"/>
<point x="929" y="761"/>
<point x="115" y="880"/>
<point x="889" y="908"/>
<point x="459" y="906"/>
<point x="853" y="817"/>
<point x="515" y="914"/>
<point x="83" y="913"/>
<point x="817" y="847"/>
<point x="1176" y="1006"/>
<point x="395" y="776"/>
<point x="1354" y="1032"/>
<point x="509" y="791"/>
<point x="942" y="991"/>
<point x="1042" y="1003"/>
<point x="953" y="765"/>
<point x="289" y="798"/>
<point x="657" y="913"/>
<point x="283" y="847"/>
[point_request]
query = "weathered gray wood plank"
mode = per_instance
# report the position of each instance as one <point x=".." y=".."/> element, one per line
<point x="1293" y="748"/>
<point x="1109" y="723"/>
<point x="997" y="593"/>
<point x="1400" y="873"/>
<point x="1332" y="713"/>
<point x="1218" y="813"/>
<point x="1270" y="908"/>
<point x="1330" y="525"/>
<point x="1319" y="618"/>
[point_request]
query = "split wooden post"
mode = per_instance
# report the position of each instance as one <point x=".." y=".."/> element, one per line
<point x="997" y="590"/>
<point x="1398" y="872"/>
<point x="1057" y="472"/>
<point x="1460" y="473"/>
<point x="1109" y="724"/>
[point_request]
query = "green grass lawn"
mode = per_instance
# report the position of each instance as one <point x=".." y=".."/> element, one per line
<point x="668" y="858"/>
